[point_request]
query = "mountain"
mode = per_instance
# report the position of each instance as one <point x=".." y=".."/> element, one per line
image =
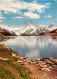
<point x="54" y="32"/>
<point x="5" y="31"/>
<point x="29" y="28"/>
<point x="52" y="26"/>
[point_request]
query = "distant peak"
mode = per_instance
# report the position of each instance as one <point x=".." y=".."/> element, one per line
<point x="29" y="23"/>
<point x="52" y="25"/>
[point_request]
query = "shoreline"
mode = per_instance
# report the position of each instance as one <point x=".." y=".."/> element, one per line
<point x="45" y="68"/>
<point x="39" y="67"/>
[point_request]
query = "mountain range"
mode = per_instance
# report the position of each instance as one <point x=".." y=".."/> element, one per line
<point x="29" y="28"/>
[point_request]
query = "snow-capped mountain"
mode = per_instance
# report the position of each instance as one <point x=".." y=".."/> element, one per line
<point x="52" y="26"/>
<point x="30" y="28"/>
<point x="2" y="28"/>
<point x="5" y="30"/>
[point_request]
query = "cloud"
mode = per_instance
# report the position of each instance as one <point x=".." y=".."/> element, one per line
<point x="48" y="16"/>
<point x="2" y="17"/>
<point x="18" y="17"/>
<point x="55" y="0"/>
<point x="34" y="1"/>
<point x="6" y="12"/>
<point x="16" y="6"/>
<point x="0" y="20"/>
<point x="32" y="15"/>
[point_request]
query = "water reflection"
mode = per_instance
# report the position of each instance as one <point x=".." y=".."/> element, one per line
<point x="33" y="54"/>
<point x="34" y="47"/>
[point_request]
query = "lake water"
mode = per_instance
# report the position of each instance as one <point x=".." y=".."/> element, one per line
<point x="34" y="47"/>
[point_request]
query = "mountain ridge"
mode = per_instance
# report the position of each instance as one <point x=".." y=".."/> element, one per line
<point x="29" y="28"/>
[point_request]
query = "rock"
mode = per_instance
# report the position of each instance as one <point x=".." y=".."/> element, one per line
<point x="22" y="57"/>
<point x="14" y="55"/>
<point x="34" y="62"/>
<point x="50" y="60"/>
<point x="55" y="66"/>
<point x="38" y="59"/>
<point x="27" y="60"/>
<point x="22" y="63"/>
<point x="43" y="65"/>
<point x="19" y="61"/>
<point x="3" y="58"/>
<point x="45" y="69"/>
<point x="24" y="60"/>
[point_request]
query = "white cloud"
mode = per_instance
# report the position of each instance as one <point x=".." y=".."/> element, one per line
<point x="0" y="20"/>
<point x="34" y="1"/>
<point x="6" y="12"/>
<point x="55" y="0"/>
<point x="2" y="17"/>
<point x="18" y="17"/>
<point x="48" y="16"/>
<point x="16" y="6"/>
<point x="32" y="15"/>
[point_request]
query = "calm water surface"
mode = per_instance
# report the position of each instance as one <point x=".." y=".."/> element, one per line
<point x="34" y="47"/>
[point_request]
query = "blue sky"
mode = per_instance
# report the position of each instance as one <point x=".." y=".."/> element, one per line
<point x="18" y="12"/>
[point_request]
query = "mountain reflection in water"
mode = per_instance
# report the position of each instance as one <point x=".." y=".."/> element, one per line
<point x="34" y="47"/>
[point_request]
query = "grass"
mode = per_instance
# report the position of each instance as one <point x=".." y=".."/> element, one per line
<point x="10" y="69"/>
<point x="4" y="74"/>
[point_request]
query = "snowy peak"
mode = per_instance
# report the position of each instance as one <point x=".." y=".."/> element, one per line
<point x="52" y="26"/>
<point x="29" y="28"/>
<point x="29" y="23"/>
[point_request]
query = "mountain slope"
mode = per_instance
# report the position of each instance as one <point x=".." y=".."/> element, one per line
<point x="52" y="26"/>
<point x="30" y="28"/>
<point x="9" y="67"/>
<point x="5" y="31"/>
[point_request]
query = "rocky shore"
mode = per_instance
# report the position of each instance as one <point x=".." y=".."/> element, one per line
<point x="45" y="68"/>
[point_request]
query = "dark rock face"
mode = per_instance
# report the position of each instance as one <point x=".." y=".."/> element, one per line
<point x="6" y="32"/>
<point x="51" y="60"/>
<point x="48" y="63"/>
<point x="54" y="31"/>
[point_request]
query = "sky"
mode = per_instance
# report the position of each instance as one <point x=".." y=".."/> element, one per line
<point x="18" y="12"/>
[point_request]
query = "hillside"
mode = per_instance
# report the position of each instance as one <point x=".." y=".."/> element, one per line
<point x="7" y="33"/>
<point x="9" y="68"/>
<point x="54" y="32"/>
<point x="4" y="31"/>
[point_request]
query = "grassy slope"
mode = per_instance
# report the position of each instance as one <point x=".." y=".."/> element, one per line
<point x="10" y="69"/>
